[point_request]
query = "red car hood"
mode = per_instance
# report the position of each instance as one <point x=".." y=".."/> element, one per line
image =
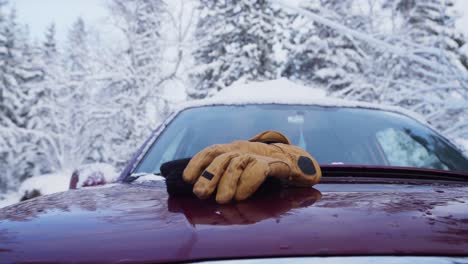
<point x="136" y="222"/>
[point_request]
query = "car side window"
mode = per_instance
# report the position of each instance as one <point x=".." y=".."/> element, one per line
<point x="403" y="150"/>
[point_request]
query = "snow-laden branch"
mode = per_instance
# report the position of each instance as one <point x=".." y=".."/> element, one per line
<point x="377" y="43"/>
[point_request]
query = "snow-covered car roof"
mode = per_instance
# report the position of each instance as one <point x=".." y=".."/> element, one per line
<point x="284" y="91"/>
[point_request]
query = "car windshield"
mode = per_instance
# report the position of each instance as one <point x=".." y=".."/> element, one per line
<point x="333" y="135"/>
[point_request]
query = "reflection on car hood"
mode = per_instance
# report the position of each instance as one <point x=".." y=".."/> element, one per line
<point x="139" y="222"/>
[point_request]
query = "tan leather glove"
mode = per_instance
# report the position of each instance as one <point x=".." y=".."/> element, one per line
<point x="237" y="169"/>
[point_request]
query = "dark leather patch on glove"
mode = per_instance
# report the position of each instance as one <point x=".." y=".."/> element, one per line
<point x="306" y="165"/>
<point x="208" y="175"/>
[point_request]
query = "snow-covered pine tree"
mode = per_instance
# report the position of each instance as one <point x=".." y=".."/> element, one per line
<point x="77" y="49"/>
<point x="56" y="122"/>
<point x="71" y="118"/>
<point x="236" y="40"/>
<point x="12" y="97"/>
<point x="50" y="63"/>
<point x="8" y="116"/>
<point x="45" y="117"/>
<point x="34" y="69"/>
<point x="82" y="112"/>
<point x="66" y="122"/>
<point x="49" y="45"/>
<point x="18" y="73"/>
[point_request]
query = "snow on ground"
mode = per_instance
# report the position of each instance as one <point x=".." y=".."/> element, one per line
<point x="46" y="184"/>
<point x="57" y="182"/>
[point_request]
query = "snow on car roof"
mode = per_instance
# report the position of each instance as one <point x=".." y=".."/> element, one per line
<point x="284" y="91"/>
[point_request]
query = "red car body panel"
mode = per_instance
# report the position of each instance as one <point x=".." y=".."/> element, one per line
<point x="140" y="223"/>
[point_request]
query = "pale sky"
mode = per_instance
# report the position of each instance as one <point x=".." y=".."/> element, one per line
<point x="38" y="14"/>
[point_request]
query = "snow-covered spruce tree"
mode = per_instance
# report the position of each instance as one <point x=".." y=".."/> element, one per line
<point x="82" y="119"/>
<point x="12" y="97"/>
<point x="77" y="51"/>
<point x="73" y="124"/>
<point x="34" y="69"/>
<point x="73" y="97"/>
<point x="18" y="73"/>
<point x="60" y="120"/>
<point x="46" y="116"/>
<point x="49" y="46"/>
<point x="320" y="55"/>
<point x="235" y="40"/>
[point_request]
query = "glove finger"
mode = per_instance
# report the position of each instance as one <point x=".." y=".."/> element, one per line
<point x="207" y="182"/>
<point x="200" y="161"/>
<point x="251" y="178"/>
<point x="228" y="183"/>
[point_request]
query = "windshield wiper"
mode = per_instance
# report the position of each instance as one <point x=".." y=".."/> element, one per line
<point x="331" y="171"/>
<point x="133" y="177"/>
